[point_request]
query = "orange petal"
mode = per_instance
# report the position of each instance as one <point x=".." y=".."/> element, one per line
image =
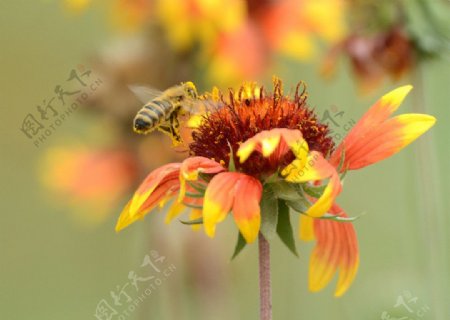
<point x="387" y="139"/>
<point x="218" y="200"/>
<point x="165" y="189"/>
<point x="336" y="249"/>
<point x="153" y="180"/>
<point x="192" y="166"/>
<point x="267" y="142"/>
<point x="246" y="209"/>
<point x="377" y="114"/>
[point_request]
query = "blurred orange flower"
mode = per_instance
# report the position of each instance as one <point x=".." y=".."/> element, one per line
<point x="291" y="26"/>
<point x="91" y="181"/>
<point x="131" y="15"/>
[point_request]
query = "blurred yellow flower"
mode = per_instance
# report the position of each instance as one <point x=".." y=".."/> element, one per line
<point x="76" y="6"/>
<point x="189" y="22"/>
<point x="235" y="39"/>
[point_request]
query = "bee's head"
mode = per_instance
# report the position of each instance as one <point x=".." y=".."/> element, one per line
<point x="190" y="89"/>
<point x="141" y="126"/>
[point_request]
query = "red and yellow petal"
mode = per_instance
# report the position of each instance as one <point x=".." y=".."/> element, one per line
<point x="388" y="138"/>
<point x="246" y="208"/>
<point x="306" y="228"/>
<point x="268" y="141"/>
<point x="218" y="200"/>
<point x="194" y="215"/>
<point x="380" y="111"/>
<point x="336" y="250"/>
<point x="191" y="167"/>
<point x="326" y="200"/>
<point x="166" y="189"/>
<point x="377" y="114"/>
<point x="316" y="168"/>
<point x="236" y="191"/>
<point x="152" y="181"/>
<point x="125" y="219"/>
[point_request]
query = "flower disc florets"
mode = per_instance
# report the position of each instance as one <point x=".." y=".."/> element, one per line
<point x="251" y="111"/>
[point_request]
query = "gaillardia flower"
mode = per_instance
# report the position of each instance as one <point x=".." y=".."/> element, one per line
<point x="257" y="154"/>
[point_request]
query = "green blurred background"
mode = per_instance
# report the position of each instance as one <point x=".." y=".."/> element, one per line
<point x="53" y="267"/>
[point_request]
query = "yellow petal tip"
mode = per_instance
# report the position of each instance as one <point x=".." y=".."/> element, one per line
<point x="244" y="152"/>
<point x="396" y="96"/>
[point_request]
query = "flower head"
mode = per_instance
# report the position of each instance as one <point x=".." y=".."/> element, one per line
<point x="257" y="154"/>
<point x="250" y="117"/>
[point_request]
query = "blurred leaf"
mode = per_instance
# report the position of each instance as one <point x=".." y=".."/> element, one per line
<point x="429" y="30"/>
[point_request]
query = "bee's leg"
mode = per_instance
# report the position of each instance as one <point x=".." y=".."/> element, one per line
<point x="166" y="129"/>
<point x="175" y="125"/>
<point x="172" y="129"/>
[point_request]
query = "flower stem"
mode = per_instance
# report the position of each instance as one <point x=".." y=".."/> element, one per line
<point x="265" y="291"/>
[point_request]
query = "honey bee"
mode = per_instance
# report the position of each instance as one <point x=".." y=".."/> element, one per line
<point x="163" y="109"/>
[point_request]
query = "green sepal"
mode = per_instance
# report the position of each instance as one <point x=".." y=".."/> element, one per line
<point x="287" y="191"/>
<point x="301" y="205"/>
<point x="196" y="187"/>
<point x="272" y="179"/>
<point x="240" y="244"/>
<point x="231" y="164"/>
<point x="328" y="216"/>
<point x="192" y="222"/>
<point x="193" y="206"/>
<point x="269" y="213"/>
<point x="315" y="192"/>
<point x="341" y="161"/>
<point x="284" y="227"/>
<point x="194" y="195"/>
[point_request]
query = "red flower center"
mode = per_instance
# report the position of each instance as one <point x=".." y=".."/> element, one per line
<point x="243" y="116"/>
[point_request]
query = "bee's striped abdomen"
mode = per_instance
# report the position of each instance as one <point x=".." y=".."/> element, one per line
<point x="151" y="115"/>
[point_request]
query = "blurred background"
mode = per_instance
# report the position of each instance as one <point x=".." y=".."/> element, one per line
<point x="70" y="160"/>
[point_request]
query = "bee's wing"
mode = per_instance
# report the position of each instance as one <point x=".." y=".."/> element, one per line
<point x="203" y="106"/>
<point x="198" y="109"/>
<point x="145" y="94"/>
